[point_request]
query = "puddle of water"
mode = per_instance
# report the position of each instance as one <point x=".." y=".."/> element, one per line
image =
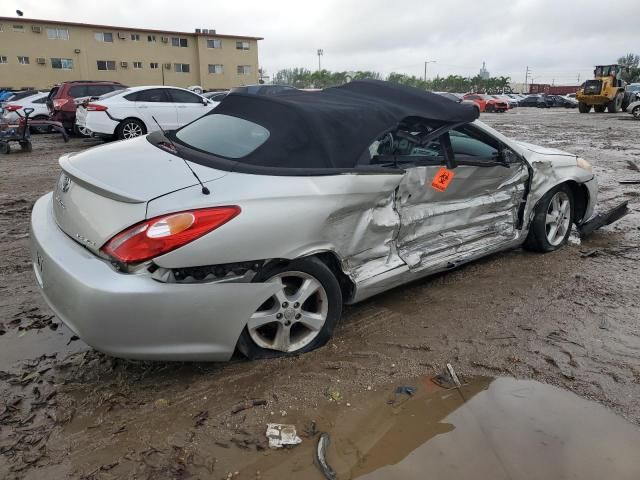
<point x="17" y="345"/>
<point x="491" y="429"/>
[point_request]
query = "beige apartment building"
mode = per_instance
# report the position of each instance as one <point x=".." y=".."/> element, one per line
<point x="42" y="53"/>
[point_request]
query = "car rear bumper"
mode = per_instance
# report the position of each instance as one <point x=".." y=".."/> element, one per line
<point x="98" y="122"/>
<point x="133" y="315"/>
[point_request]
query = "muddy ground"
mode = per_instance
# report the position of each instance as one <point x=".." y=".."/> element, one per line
<point x="568" y="318"/>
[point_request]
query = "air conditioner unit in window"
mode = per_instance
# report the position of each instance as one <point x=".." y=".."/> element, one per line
<point x="121" y="36"/>
<point x="124" y="64"/>
<point x="164" y="39"/>
<point x="36" y="28"/>
<point x="167" y="66"/>
<point x="40" y="61"/>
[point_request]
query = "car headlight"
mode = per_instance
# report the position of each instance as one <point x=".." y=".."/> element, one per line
<point x="582" y="163"/>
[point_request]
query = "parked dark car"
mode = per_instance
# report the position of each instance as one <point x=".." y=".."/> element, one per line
<point x="262" y="89"/>
<point x="62" y="106"/>
<point x="534" y="101"/>
<point x="216" y="96"/>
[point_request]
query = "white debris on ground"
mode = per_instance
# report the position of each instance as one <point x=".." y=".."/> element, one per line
<point x="281" y="435"/>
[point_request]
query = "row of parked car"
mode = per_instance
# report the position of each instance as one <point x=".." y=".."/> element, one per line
<point x="506" y="101"/>
<point x="109" y="109"/>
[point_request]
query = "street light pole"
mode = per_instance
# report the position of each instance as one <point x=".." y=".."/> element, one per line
<point x="320" y="54"/>
<point x="425" y="67"/>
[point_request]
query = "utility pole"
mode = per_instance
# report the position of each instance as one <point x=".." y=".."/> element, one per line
<point x="320" y="54"/>
<point x="526" y="79"/>
<point x="425" y="67"/>
<point x="578" y="79"/>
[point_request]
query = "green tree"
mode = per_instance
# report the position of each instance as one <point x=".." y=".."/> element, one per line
<point x="632" y="71"/>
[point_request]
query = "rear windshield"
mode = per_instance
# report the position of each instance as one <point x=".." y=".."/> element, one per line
<point x="223" y="135"/>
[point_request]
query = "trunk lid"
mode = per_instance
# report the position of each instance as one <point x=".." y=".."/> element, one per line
<point x="105" y="189"/>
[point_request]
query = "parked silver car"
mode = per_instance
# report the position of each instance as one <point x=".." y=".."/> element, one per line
<point x="250" y="228"/>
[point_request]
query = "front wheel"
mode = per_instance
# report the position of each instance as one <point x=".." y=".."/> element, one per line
<point x="584" y="108"/>
<point x="615" y="105"/>
<point x="636" y="112"/>
<point x="130" y="128"/>
<point x="551" y="224"/>
<point x="299" y="317"/>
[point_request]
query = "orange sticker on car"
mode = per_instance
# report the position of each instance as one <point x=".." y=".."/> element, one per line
<point x="442" y="179"/>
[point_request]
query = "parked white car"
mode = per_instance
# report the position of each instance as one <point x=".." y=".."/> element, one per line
<point x="37" y="101"/>
<point x="130" y="112"/>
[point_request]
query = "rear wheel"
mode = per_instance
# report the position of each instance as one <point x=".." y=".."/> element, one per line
<point x="615" y="105"/>
<point x="551" y="224"/>
<point x="636" y="112"/>
<point x="5" y="148"/>
<point x="584" y="108"/>
<point x="299" y="317"/>
<point x="489" y="108"/>
<point x="130" y="128"/>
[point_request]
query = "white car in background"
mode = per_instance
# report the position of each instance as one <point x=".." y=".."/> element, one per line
<point x="37" y="101"/>
<point x="130" y="112"/>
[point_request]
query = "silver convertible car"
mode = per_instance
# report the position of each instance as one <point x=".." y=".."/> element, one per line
<point x="249" y="228"/>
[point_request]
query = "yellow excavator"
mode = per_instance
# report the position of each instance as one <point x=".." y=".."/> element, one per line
<point x="605" y="91"/>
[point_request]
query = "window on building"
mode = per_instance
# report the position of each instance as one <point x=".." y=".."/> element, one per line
<point x="62" y="63"/>
<point x="18" y="28"/>
<point x="153" y="65"/>
<point x="58" y="34"/>
<point x="244" y="69"/>
<point x="216" y="68"/>
<point x="106" y="65"/>
<point x="137" y="65"/>
<point x="214" y="43"/>
<point x="135" y="37"/>
<point x="242" y="45"/>
<point x="179" y="42"/>
<point x="151" y="38"/>
<point x="3" y="59"/>
<point x="104" y="36"/>
<point x="182" y="67"/>
<point x="23" y="60"/>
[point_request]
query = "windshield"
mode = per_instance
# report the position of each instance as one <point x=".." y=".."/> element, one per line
<point x="223" y="135"/>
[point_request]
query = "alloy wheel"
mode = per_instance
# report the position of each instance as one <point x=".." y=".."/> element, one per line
<point x="558" y="220"/>
<point x="636" y="113"/>
<point x="131" y="130"/>
<point x="293" y="317"/>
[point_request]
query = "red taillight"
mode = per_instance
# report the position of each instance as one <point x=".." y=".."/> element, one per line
<point x="161" y="235"/>
<point x="12" y="108"/>
<point x="95" y="107"/>
<point x="58" y="103"/>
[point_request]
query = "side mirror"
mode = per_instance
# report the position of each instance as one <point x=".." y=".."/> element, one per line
<point x="507" y="156"/>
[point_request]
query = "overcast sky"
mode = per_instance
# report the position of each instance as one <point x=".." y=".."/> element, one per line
<point x="557" y="39"/>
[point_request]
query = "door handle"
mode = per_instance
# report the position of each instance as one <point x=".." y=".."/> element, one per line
<point x="143" y="106"/>
<point x="182" y="106"/>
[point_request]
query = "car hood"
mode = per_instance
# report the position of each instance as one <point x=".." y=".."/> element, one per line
<point x="544" y="150"/>
<point x="133" y="171"/>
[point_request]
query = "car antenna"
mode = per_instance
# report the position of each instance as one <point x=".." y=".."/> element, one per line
<point x="205" y="190"/>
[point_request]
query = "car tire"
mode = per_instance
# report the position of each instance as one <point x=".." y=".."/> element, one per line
<point x="80" y="132"/>
<point x="551" y="212"/>
<point x="489" y="109"/>
<point x="5" y="148"/>
<point x="259" y="339"/>
<point x="130" y="128"/>
<point x="636" y="112"/>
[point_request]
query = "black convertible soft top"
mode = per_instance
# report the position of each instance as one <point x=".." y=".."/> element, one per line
<point x="330" y="129"/>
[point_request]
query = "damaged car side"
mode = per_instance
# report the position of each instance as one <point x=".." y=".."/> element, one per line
<point x="250" y="228"/>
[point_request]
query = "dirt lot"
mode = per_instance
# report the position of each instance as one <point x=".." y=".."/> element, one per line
<point x="565" y="318"/>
